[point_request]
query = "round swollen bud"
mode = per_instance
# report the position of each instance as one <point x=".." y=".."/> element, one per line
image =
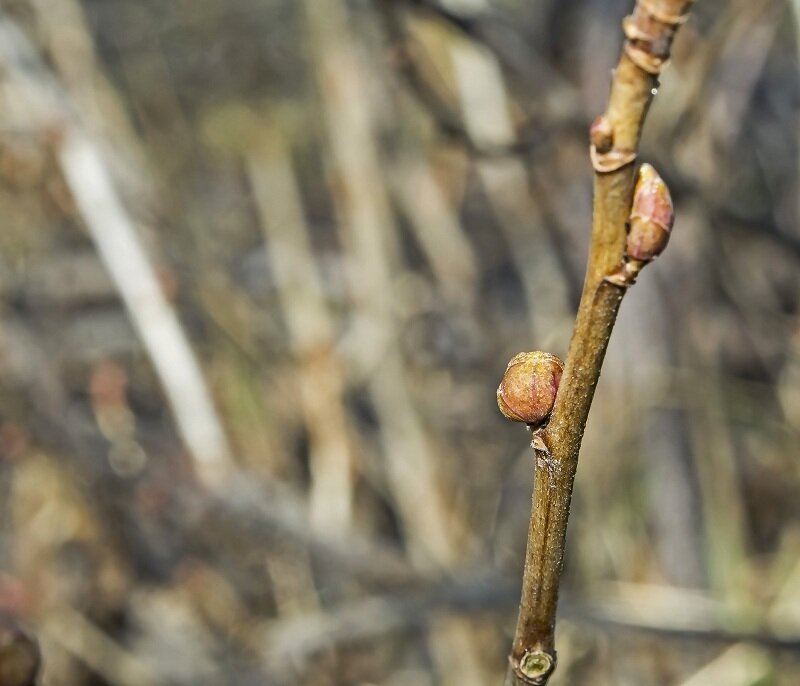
<point x="19" y="657"/>
<point x="651" y="217"/>
<point x="528" y="390"/>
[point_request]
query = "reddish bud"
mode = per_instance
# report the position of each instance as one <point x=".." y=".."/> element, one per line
<point x="527" y="392"/>
<point x="601" y="134"/>
<point x="651" y="217"/>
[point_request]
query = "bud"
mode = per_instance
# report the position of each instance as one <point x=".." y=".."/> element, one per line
<point x="601" y="134"/>
<point x="605" y="157"/>
<point x="527" y="392"/>
<point x="19" y="657"/>
<point x="651" y="216"/>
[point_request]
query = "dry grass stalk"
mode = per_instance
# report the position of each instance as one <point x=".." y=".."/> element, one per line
<point x="312" y="332"/>
<point x="431" y="525"/>
<point x="44" y="105"/>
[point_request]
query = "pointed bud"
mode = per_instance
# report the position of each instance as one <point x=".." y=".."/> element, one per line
<point x="528" y="390"/>
<point x="651" y="217"/>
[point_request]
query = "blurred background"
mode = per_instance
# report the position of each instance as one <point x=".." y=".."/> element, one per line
<point x="262" y="264"/>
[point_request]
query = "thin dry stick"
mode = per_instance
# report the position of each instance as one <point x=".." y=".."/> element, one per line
<point x="488" y="119"/>
<point x="41" y="103"/>
<point x="369" y="235"/>
<point x="75" y="633"/>
<point x="115" y="236"/>
<point x="615" y="137"/>
<point x="312" y="332"/>
<point x="436" y="226"/>
<point x="431" y="526"/>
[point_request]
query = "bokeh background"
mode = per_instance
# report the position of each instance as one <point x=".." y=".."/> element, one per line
<point x="262" y="263"/>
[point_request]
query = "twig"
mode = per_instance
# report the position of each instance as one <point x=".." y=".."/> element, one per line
<point x="406" y="56"/>
<point x="46" y="107"/>
<point x="484" y="24"/>
<point x="488" y="117"/>
<point x="255" y="514"/>
<point x="311" y="330"/>
<point x="435" y="539"/>
<point x="369" y="232"/>
<point x="156" y="321"/>
<point x="622" y="611"/>
<point x="739" y="665"/>
<point x="615" y="139"/>
<point x="436" y="226"/>
<point x="92" y="646"/>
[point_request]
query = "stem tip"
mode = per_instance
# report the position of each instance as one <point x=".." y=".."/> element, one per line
<point x="536" y="664"/>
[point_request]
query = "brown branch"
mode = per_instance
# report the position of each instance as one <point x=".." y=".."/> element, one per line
<point x="615" y="138"/>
